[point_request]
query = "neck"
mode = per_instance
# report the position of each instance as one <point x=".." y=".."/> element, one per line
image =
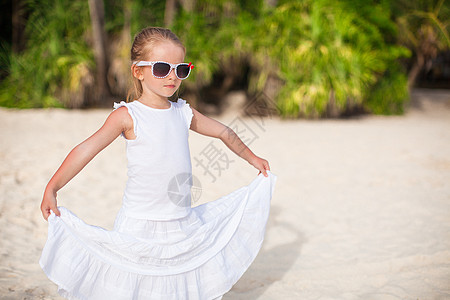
<point x="155" y="102"/>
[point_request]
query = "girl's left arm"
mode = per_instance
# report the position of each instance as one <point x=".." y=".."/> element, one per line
<point x="213" y="128"/>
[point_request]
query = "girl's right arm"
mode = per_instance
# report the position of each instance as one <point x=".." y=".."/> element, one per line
<point x="117" y="122"/>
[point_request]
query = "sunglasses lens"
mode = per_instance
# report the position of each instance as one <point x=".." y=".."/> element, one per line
<point x="183" y="71"/>
<point x="161" y="69"/>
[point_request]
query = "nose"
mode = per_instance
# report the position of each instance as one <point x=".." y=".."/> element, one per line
<point x="172" y="74"/>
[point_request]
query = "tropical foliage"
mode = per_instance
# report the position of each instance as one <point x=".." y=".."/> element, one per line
<point x="332" y="57"/>
<point x="55" y="69"/>
<point x="423" y="26"/>
<point x="313" y="58"/>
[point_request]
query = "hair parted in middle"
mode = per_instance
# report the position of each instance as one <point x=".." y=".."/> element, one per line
<point x="142" y="47"/>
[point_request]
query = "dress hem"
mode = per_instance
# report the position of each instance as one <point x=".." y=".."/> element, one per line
<point x="93" y="272"/>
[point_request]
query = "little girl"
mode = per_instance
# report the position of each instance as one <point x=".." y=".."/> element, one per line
<point x="159" y="248"/>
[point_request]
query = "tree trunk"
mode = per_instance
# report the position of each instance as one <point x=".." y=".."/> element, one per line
<point x="416" y="68"/>
<point x="169" y="12"/>
<point x="188" y="5"/>
<point x="18" y="26"/>
<point x="97" y="13"/>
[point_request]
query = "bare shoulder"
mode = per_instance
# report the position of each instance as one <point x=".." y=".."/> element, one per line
<point x="121" y="118"/>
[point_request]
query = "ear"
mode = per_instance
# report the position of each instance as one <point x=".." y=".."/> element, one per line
<point x="137" y="72"/>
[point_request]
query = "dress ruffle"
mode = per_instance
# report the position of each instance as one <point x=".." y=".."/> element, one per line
<point x="187" y="110"/>
<point x="200" y="256"/>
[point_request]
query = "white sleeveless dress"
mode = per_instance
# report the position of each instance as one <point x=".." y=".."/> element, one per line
<point x="160" y="247"/>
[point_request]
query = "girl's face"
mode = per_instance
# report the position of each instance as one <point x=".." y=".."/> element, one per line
<point x="162" y="88"/>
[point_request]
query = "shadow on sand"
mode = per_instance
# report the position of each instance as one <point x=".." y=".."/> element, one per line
<point x="271" y="264"/>
<point x="420" y="98"/>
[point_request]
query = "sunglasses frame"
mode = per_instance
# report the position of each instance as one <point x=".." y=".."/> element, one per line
<point x="144" y="63"/>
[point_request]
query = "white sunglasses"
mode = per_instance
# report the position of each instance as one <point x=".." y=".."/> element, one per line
<point x="162" y="69"/>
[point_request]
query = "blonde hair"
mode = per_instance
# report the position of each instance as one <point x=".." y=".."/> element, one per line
<point x="142" y="46"/>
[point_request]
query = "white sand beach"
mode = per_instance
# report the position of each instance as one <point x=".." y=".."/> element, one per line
<point x="361" y="209"/>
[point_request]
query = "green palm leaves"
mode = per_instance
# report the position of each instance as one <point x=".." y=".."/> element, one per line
<point x="328" y="55"/>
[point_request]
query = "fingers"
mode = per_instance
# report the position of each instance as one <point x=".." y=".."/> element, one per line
<point x="262" y="165"/>
<point x="266" y="168"/>
<point x="46" y="211"/>
<point x="264" y="172"/>
<point x="56" y="211"/>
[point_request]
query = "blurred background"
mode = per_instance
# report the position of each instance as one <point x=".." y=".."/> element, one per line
<point x="312" y="58"/>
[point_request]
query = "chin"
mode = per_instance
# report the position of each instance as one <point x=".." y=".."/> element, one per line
<point x="170" y="95"/>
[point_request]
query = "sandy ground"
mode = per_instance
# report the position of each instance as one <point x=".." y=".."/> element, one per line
<point x="361" y="209"/>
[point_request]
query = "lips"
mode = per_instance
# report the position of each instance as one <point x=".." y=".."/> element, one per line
<point x="170" y="86"/>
